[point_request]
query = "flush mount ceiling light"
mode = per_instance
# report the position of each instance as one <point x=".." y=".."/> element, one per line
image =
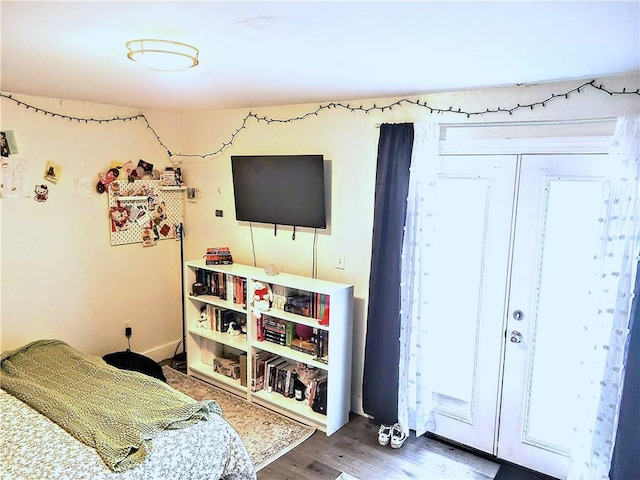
<point x="164" y="55"/>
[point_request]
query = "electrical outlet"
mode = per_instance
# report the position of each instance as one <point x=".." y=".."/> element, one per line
<point x="340" y="262"/>
<point x="218" y="213"/>
<point x="128" y="331"/>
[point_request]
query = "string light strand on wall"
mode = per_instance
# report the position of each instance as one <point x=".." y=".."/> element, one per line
<point x="382" y="108"/>
<point x="69" y="117"/>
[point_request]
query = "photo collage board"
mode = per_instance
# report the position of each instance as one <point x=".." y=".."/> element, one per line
<point x="144" y="211"/>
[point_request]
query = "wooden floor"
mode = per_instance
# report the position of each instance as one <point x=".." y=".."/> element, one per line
<point x="354" y="449"/>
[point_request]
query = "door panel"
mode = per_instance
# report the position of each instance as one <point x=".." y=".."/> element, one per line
<point x="514" y="245"/>
<point x="465" y="316"/>
<point x="555" y="236"/>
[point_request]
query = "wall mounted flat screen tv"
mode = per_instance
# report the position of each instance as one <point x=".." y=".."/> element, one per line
<point x="279" y="189"/>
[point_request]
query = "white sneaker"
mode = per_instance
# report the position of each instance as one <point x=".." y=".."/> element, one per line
<point x="384" y="435"/>
<point x="398" y="436"/>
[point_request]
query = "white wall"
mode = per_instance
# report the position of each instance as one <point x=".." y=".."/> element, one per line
<point x="348" y="140"/>
<point x="61" y="278"/>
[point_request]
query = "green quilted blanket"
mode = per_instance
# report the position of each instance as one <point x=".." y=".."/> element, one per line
<point x="117" y="412"/>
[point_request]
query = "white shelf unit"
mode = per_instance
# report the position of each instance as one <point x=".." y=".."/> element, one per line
<point x="201" y="342"/>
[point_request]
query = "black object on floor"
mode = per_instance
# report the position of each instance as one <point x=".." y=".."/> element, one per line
<point x="512" y="472"/>
<point x="136" y="362"/>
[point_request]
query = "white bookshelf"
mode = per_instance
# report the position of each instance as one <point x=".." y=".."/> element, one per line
<point x="203" y="344"/>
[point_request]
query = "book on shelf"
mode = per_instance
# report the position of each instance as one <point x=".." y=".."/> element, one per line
<point x="301" y="302"/>
<point x="274" y="338"/>
<point x="230" y="286"/>
<point x="289" y="332"/>
<point x="258" y="369"/>
<point x="290" y="376"/>
<point x="259" y="328"/>
<point x="219" y="287"/>
<point x="271" y="372"/>
<point x="321" y="339"/>
<point x="318" y="394"/>
<point x="224" y="285"/>
<point x="280" y="377"/>
<point x="243" y="369"/>
<point x="298" y="304"/>
<point x="323" y="315"/>
<point x="240" y="291"/>
<point x="215" y="282"/>
<point x="281" y="330"/>
<point x="273" y="324"/>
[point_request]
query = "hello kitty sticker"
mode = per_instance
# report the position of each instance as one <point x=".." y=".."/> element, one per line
<point x="41" y="193"/>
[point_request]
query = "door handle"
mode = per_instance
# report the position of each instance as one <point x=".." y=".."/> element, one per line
<point x="516" y="337"/>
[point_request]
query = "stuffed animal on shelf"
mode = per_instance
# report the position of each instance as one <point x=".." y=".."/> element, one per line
<point x="262" y="298"/>
<point x="203" y="321"/>
<point x="234" y="329"/>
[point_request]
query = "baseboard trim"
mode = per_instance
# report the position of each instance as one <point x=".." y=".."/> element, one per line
<point x="356" y="406"/>
<point x="164" y="352"/>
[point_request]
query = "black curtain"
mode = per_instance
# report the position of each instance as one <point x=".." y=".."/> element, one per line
<point x="382" y="349"/>
<point x="625" y="464"/>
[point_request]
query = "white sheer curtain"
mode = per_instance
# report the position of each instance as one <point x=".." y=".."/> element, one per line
<point x="602" y="363"/>
<point x="414" y="394"/>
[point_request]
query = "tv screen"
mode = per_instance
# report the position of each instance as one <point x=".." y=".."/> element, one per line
<point x="279" y="189"/>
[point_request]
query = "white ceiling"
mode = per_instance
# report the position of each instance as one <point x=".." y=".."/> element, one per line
<point x="265" y="53"/>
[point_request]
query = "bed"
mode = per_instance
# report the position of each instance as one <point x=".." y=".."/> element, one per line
<point x="68" y="415"/>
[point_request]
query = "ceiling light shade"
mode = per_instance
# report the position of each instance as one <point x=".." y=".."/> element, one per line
<point x="164" y="55"/>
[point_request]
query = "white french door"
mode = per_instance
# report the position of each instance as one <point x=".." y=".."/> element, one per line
<point x="516" y="235"/>
<point x="473" y="218"/>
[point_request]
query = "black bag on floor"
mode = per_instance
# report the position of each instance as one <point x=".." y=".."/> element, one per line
<point x="136" y="362"/>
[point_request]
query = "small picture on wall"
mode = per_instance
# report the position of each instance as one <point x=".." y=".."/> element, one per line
<point x="8" y="145"/>
<point x="147" y="237"/>
<point x="52" y="172"/>
<point x="119" y="218"/>
<point x="13" y="172"/>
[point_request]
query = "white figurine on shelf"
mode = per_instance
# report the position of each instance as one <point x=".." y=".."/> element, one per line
<point x="234" y="329"/>
<point x="203" y="320"/>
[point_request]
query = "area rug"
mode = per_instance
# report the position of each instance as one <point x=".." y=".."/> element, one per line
<point x="266" y="434"/>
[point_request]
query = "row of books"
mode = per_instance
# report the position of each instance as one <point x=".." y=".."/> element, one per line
<point x="275" y="330"/>
<point x="218" y="256"/>
<point x="219" y="319"/>
<point x="308" y="304"/>
<point x="300" y="302"/>
<point x="282" y="332"/>
<point x="224" y="286"/>
<point x="276" y="374"/>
